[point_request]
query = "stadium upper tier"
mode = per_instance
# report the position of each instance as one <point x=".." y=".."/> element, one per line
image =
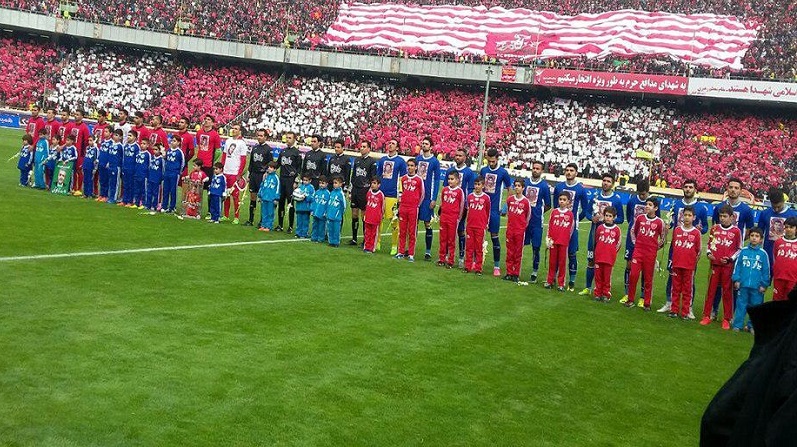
<point x="773" y="53"/>
<point x="598" y="134"/>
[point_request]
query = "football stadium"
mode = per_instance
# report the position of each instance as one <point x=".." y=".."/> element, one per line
<point x="449" y="222"/>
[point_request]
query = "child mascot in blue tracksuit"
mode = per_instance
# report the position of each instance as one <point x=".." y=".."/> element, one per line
<point x="216" y="192"/>
<point x="154" y="181"/>
<point x="25" y="160"/>
<point x="750" y="277"/>
<point x="336" y="207"/>
<point x="320" y="200"/>
<point x="90" y="161"/>
<point x="304" y="205"/>
<point x="268" y="195"/>
<point x="143" y="159"/>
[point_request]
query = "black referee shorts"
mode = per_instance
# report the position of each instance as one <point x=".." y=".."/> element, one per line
<point x="359" y="198"/>
<point x="255" y="180"/>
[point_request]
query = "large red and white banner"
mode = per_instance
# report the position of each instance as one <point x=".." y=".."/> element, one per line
<point x="743" y="89"/>
<point x="707" y="39"/>
<point x="622" y="82"/>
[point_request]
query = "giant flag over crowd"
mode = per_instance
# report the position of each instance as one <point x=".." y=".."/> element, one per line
<point x="705" y="39"/>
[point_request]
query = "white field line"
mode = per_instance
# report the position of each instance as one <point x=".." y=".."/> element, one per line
<point x="144" y="250"/>
<point x="81" y="254"/>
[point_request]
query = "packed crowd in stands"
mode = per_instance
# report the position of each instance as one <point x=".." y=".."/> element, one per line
<point x="453" y="114"/>
<point x="101" y="78"/>
<point x="28" y="69"/>
<point x="604" y="137"/>
<point x="773" y="55"/>
<point x="597" y="134"/>
<point x="223" y="91"/>
<point x="328" y="106"/>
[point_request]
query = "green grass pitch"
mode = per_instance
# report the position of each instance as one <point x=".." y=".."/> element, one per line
<point x="300" y="344"/>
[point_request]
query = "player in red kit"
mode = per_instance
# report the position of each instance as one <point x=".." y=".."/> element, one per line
<point x="35" y="124"/>
<point x="66" y="123"/>
<point x="649" y="234"/>
<point x="157" y="134"/>
<point x="374" y="211"/>
<point x="607" y="243"/>
<point x="724" y="245"/>
<point x="98" y="131"/>
<point x="452" y="206"/>
<point x="476" y="225"/>
<point x="186" y="142"/>
<point x="410" y="195"/>
<point x="80" y="132"/>
<point x="685" y="253"/>
<point x="784" y="269"/>
<point x="561" y="225"/>
<point x="140" y="128"/>
<point x="208" y="141"/>
<point x="518" y="214"/>
<point x="52" y="125"/>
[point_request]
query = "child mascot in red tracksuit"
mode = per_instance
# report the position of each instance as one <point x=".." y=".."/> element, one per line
<point x="648" y="234"/>
<point x="561" y="225"/>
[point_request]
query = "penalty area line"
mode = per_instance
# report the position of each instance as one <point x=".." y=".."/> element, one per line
<point x="144" y="250"/>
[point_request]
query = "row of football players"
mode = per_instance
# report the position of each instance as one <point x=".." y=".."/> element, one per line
<point x="392" y="172"/>
<point x="150" y="175"/>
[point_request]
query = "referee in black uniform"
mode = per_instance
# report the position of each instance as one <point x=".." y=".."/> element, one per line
<point x="364" y="171"/>
<point x="259" y="159"/>
<point x="315" y="161"/>
<point x="339" y="165"/>
<point x="290" y="165"/>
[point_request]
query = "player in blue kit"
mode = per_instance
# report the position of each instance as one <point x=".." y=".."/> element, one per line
<point x="390" y="168"/>
<point x="689" y="189"/>
<point x="496" y="180"/>
<point x="578" y="198"/>
<point x="599" y="201"/>
<point x="635" y="207"/>
<point x="772" y="220"/>
<point x="467" y="177"/>
<point x="742" y="218"/>
<point x="538" y="192"/>
<point x="429" y="171"/>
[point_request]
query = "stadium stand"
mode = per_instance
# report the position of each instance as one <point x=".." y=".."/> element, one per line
<point x="598" y="134"/>
<point x="29" y="68"/>
<point x="303" y="23"/>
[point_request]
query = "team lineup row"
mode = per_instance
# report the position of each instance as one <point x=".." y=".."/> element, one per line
<point x="150" y="175"/>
